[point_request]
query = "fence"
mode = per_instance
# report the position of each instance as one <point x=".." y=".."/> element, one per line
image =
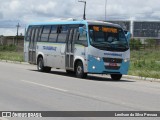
<point x="144" y="47"/>
<point x="13" y="40"/>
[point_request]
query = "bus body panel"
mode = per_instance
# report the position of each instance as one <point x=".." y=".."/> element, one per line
<point x="99" y="59"/>
<point x="53" y="54"/>
<point x="80" y="54"/>
<point x="26" y="46"/>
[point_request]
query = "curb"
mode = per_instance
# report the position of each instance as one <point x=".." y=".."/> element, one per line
<point x="16" y="62"/>
<point x="141" y="78"/>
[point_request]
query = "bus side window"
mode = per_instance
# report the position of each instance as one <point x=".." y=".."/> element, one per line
<point x="53" y="34"/>
<point x="40" y="33"/>
<point x="82" y="39"/>
<point x="45" y="33"/>
<point x="28" y="34"/>
<point x="63" y="30"/>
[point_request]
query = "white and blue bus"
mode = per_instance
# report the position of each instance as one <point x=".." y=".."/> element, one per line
<point x="79" y="47"/>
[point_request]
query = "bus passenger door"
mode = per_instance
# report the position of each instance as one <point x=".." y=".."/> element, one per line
<point x="70" y="49"/>
<point x="32" y="46"/>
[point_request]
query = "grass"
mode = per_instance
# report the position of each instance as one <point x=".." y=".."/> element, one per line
<point x="10" y="53"/>
<point x="145" y="63"/>
<point x="13" y="56"/>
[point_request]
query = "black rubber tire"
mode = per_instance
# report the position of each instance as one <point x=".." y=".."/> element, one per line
<point x="40" y="66"/>
<point x="80" y="70"/>
<point x="116" y="77"/>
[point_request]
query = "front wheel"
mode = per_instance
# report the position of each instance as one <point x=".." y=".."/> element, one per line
<point x="80" y="71"/>
<point x="116" y="77"/>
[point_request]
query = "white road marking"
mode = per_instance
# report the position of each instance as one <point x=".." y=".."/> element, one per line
<point x="102" y="99"/>
<point x="46" y="86"/>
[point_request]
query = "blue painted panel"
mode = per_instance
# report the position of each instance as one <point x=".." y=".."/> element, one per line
<point x="99" y="67"/>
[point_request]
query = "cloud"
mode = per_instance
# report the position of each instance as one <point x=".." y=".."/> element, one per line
<point x="1" y="15"/>
<point x="11" y="31"/>
<point x="26" y="11"/>
<point x="20" y="9"/>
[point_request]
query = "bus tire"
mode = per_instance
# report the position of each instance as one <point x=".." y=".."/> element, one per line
<point x="80" y="70"/>
<point x="40" y="65"/>
<point x="116" y="77"/>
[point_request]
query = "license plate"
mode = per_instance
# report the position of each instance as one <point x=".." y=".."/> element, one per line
<point x="113" y="64"/>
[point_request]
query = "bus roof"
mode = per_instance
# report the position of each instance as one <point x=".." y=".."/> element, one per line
<point x="89" y="22"/>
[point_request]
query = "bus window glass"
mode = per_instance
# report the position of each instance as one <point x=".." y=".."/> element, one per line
<point x="82" y="38"/>
<point x="54" y="29"/>
<point x="45" y="33"/>
<point x="108" y="38"/>
<point x="53" y="34"/>
<point x="63" y="30"/>
<point x="39" y="34"/>
<point x="28" y="34"/>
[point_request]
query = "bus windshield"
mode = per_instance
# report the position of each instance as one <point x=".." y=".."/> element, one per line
<point x="108" y="38"/>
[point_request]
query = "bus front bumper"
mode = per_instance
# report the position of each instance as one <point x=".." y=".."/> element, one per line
<point x="97" y="65"/>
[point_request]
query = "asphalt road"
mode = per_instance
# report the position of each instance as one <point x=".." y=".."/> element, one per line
<point x="23" y="88"/>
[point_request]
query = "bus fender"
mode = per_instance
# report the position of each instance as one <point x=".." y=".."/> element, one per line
<point x="78" y="58"/>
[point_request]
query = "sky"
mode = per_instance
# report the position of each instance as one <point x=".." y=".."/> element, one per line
<point x="27" y="11"/>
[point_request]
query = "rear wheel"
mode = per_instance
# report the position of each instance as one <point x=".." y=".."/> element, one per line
<point x="40" y="66"/>
<point x="116" y="77"/>
<point x="80" y="70"/>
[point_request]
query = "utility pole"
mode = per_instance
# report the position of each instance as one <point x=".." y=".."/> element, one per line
<point x="84" y="15"/>
<point x="105" y="10"/>
<point x="17" y="32"/>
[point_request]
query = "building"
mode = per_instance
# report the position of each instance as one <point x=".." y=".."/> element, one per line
<point x="142" y="29"/>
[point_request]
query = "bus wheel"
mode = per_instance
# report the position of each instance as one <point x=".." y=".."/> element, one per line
<point x="40" y="65"/>
<point x="79" y="70"/>
<point x="116" y="77"/>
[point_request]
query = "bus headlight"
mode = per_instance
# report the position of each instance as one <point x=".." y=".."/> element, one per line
<point x="127" y="60"/>
<point x="98" y="58"/>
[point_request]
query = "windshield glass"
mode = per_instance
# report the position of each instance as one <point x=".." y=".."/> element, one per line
<point x="108" y="38"/>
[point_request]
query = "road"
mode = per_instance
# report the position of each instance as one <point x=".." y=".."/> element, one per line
<point x="23" y="88"/>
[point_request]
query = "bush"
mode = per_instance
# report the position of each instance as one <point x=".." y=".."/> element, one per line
<point x="8" y="48"/>
<point x="150" y="41"/>
<point x="135" y="44"/>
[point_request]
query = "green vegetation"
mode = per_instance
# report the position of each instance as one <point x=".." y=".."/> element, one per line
<point x="9" y="52"/>
<point x="145" y="63"/>
<point x="8" y="48"/>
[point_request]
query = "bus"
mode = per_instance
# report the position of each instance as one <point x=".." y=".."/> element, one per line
<point x="79" y="46"/>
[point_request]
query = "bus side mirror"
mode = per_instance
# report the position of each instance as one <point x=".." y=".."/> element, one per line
<point x="128" y="35"/>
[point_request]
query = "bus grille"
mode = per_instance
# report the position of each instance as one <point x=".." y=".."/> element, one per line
<point x="112" y="63"/>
